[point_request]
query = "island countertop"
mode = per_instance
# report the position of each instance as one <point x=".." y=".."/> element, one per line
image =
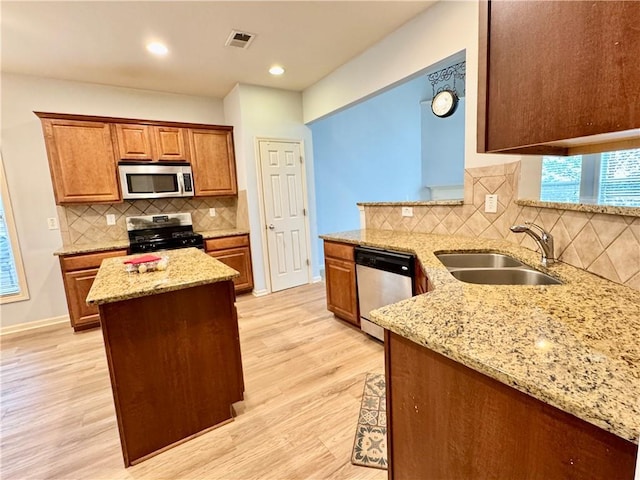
<point x="187" y="267"/>
<point x="575" y="346"/>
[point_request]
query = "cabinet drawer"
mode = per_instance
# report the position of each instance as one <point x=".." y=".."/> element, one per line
<point x="338" y="250"/>
<point x="226" y="242"/>
<point x="90" y="260"/>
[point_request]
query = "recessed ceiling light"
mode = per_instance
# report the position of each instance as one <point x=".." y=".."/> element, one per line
<point x="276" y="70"/>
<point x="157" y="48"/>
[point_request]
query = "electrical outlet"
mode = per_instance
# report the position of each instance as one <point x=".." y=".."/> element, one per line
<point x="407" y="211"/>
<point x="111" y="219"/>
<point x="212" y="212"/>
<point x="52" y="223"/>
<point x="491" y="203"/>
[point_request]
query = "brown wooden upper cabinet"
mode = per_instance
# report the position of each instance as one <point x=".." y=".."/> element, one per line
<point x="84" y="151"/>
<point x="151" y="143"/>
<point x="82" y="161"/>
<point x="213" y="161"/>
<point x="553" y="72"/>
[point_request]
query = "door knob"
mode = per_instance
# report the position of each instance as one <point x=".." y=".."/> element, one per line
<point x="271" y="226"/>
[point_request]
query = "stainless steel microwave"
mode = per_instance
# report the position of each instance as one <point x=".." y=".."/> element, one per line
<point x="155" y="180"/>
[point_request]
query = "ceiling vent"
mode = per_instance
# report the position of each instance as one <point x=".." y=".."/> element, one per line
<point x="239" y="39"/>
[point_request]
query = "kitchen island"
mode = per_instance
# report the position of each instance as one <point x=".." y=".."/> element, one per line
<point x="502" y="381"/>
<point x="172" y="345"/>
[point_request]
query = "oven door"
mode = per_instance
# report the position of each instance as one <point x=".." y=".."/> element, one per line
<point x="155" y="181"/>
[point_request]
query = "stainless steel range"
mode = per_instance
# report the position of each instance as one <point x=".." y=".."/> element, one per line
<point x="165" y="231"/>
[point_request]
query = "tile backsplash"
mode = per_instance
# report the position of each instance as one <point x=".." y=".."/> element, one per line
<point x="604" y="244"/>
<point x="82" y="224"/>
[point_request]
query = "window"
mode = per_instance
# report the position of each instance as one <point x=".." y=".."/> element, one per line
<point x="13" y="285"/>
<point x="561" y="179"/>
<point x="610" y="178"/>
<point x="620" y="178"/>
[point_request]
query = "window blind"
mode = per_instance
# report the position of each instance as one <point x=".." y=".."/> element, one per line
<point x="620" y="178"/>
<point x="9" y="283"/>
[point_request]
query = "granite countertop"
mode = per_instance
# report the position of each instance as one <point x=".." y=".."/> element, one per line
<point x="575" y="346"/>
<point x="426" y="203"/>
<point x="223" y="233"/>
<point x="118" y="244"/>
<point x="187" y="267"/>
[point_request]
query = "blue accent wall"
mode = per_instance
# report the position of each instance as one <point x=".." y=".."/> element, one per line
<point x="366" y="153"/>
<point x="384" y="149"/>
<point x="443" y="147"/>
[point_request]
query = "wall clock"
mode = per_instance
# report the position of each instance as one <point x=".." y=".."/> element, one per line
<point x="444" y="103"/>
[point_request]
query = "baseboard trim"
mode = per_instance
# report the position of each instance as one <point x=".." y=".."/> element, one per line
<point x="260" y="293"/>
<point x="22" y="327"/>
<point x="317" y="279"/>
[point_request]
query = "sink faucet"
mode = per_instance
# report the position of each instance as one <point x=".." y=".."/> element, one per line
<point x="544" y="240"/>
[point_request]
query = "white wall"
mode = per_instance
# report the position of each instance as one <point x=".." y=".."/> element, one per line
<point x="442" y="30"/>
<point x="27" y="170"/>
<point x="259" y="112"/>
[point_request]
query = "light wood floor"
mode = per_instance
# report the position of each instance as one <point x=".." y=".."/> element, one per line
<point x="304" y="372"/>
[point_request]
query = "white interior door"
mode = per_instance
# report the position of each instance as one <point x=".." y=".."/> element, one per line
<point x="284" y="208"/>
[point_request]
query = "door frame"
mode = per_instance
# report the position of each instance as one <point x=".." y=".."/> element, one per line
<point x="261" y="205"/>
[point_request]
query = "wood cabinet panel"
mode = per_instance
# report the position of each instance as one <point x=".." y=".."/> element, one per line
<point x="551" y="71"/>
<point x="134" y="141"/>
<point x="446" y="420"/>
<point x="342" y="295"/>
<point x="175" y="365"/>
<point x="78" y="273"/>
<point x="339" y="250"/>
<point x="82" y="161"/>
<point x="421" y="282"/>
<point x="88" y="260"/>
<point x="226" y="242"/>
<point x="142" y="142"/>
<point x="171" y="144"/>
<point x="235" y="252"/>
<point x="213" y="162"/>
<point x="77" y="286"/>
<point x="239" y="259"/>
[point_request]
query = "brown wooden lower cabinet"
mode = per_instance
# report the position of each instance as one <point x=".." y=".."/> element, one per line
<point x="340" y="277"/>
<point x="447" y="421"/>
<point x="78" y="273"/>
<point x="175" y="365"/>
<point x="234" y="251"/>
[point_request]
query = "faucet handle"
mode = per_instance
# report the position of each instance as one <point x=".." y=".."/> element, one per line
<point x="542" y="230"/>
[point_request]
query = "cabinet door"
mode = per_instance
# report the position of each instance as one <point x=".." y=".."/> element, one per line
<point x="421" y="283"/>
<point x="550" y="71"/>
<point x="77" y="286"/>
<point x="170" y="144"/>
<point x="82" y="161"/>
<point x="342" y="297"/>
<point x="239" y="259"/>
<point x="134" y="142"/>
<point x="213" y="162"/>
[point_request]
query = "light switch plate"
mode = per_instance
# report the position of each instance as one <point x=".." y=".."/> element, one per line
<point x="212" y="212"/>
<point x="407" y="211"/>
<point x="111" y="219"/>
<point x="491" y="203"/>
<point x="52" y="223"/>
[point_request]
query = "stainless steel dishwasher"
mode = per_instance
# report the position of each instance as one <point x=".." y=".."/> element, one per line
<point x="383" y="277"/>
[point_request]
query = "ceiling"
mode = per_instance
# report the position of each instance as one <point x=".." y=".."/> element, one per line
<point x="104" y="42"/>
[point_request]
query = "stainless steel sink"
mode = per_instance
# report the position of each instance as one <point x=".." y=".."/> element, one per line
<point x="477" y="260"/>
<point x="504" y="276"/>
